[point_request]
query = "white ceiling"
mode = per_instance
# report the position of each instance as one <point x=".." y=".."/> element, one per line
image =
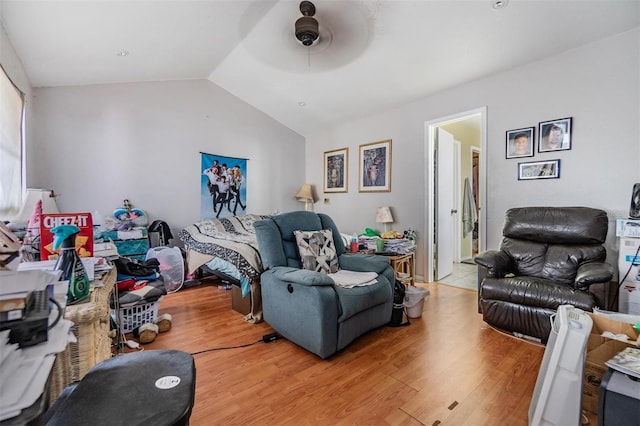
<point x="372" y="55"/>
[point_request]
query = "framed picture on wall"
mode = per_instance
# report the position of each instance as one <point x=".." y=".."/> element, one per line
<point x="335" y="169"/>
<point x="555" y="135"/>
<point x="539" y="170"/>
<point x="519" y="143"/>
<point x="375" y="167"/>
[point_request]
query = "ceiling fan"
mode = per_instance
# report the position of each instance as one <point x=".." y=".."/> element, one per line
<point x="307" y="26"/>
<point x="332" y="36"/>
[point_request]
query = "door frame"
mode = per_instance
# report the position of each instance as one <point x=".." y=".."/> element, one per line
<point x="430" y="129"/>
<point x="457" y="200"/>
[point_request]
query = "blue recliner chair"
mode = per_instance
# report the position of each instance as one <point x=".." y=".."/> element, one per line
<point x="306" y="306"/>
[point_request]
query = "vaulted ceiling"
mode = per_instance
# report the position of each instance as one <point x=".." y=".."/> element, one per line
<point x="371" y="55"/>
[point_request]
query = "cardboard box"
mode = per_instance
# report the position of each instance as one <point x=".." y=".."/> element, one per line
<point x="238" y="303"/>
<point x="627" y="254"/>
<point x="628" y="228"/>
<point x="629" y="296"/>
<point x="599" y="350"/>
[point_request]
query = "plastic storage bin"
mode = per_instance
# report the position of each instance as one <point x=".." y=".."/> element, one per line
<point x="414" y="298"/>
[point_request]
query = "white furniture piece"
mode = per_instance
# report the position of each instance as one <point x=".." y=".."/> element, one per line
<point x="558" y="391"/>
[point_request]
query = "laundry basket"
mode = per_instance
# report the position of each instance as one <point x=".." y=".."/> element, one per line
<point x="171" y="266"/>
<point x="132" y="317"/>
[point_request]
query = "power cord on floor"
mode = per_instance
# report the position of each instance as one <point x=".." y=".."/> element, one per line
<point x="267" y="338"/>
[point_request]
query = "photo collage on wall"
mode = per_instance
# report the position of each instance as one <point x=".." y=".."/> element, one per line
<point x="553" y="135"/>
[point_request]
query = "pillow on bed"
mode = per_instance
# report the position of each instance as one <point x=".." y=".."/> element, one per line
<point x="317" y="251"/>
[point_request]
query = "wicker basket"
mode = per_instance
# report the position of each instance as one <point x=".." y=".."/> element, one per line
<point x="93" y="342"/>
<point x="132" y="317"/>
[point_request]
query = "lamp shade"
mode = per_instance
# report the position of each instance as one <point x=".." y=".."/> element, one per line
<point x="383" y="215"/>
<point x="306" y="194"/>
<point x="47" y="197"/>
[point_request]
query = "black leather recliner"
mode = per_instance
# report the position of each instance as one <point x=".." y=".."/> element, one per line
<point x="549" y="256"/>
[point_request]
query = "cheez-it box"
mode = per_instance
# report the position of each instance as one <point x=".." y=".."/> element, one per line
<point x="84" y="239"/>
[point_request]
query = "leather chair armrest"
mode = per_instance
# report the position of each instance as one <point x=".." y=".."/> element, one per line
<point x="593" y="273"/>
<point x="364" y="263"/>
<point x="301" y="276"/>
<point x="497" y="262"/>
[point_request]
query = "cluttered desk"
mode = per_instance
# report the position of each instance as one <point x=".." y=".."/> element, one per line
<point x="45" y="343"/>
<point x="32" y="332"/>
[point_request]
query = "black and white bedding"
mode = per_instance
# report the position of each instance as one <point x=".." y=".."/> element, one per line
<point x="231" y="240"/>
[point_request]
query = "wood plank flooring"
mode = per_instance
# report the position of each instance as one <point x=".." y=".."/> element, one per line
<point x="448" y="367"/>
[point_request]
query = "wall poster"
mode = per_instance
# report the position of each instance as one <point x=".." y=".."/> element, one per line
<point x="223" y="186"/>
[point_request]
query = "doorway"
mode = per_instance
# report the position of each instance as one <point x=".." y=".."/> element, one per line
<point x="469" y="128"/>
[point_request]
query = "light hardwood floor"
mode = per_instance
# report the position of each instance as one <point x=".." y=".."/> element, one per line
<point x="448" y="367"/>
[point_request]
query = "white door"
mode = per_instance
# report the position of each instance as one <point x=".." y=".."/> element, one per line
<point x="445" y="204"/>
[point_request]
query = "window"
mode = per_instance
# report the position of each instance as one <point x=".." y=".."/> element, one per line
<point x="11" y="147"/>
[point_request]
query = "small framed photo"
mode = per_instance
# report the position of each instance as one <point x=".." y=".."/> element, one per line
<point x="549" y="169"/>
<point x="336" y="170"/>
<point x="519" y="143"/>
<point x="555" y="135"/>
<point x="375" y="167"/>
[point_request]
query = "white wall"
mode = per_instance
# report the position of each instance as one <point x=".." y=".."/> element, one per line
<point x="597" y="84"/>
<point x="97" y="145"/>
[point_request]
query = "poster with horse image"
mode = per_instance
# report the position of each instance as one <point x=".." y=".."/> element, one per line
<point x="223" y="186"/>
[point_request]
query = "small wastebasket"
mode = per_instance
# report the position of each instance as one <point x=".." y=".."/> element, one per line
<point x="414" y="298"/>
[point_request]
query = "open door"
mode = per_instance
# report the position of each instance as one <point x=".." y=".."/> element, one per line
<point x="446" y="211"/>
<point x="435" y="209"/>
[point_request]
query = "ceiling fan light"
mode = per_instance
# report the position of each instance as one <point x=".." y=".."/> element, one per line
<point x="307" y="30"/>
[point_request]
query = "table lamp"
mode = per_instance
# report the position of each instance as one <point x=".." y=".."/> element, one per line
<point x="306" y="194"/>
<point x="383" y="215"/>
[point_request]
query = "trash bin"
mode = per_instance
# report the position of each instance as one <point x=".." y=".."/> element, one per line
<point x="414" y="298"/>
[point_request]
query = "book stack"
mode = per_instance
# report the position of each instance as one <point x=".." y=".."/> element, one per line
<point x="391" y="245"/>
<point x="400" y="245"/>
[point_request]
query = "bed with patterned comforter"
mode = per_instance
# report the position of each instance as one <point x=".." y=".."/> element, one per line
<point x="229" y="245"/>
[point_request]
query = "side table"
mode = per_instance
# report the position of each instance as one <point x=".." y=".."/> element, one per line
<point x="91" y="329"/>
<point x="403" y="265"/>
